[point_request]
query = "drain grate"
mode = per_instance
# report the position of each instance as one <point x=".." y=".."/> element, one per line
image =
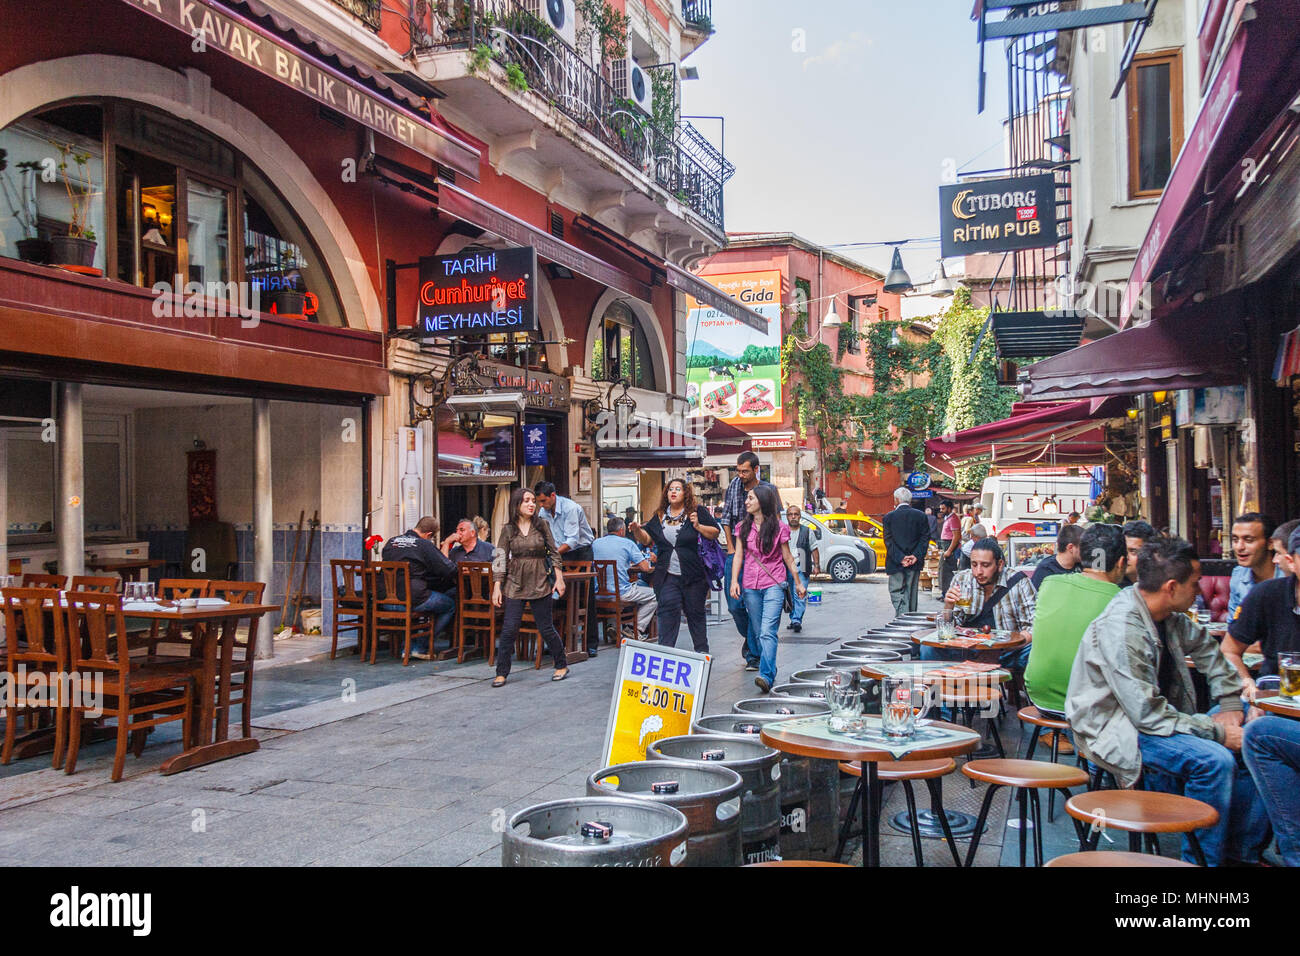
<point x="791" y="639"/>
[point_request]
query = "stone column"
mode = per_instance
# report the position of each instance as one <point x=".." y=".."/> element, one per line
<point x="71" y="518"/>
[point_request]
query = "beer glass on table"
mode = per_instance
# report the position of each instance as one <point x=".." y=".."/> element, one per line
<point x="905" y="700"/>
<point x="1288" y="669"/>
<point x="844" y="696"/>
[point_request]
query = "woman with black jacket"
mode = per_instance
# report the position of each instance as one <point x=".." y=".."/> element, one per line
<point x="680" y="581"/>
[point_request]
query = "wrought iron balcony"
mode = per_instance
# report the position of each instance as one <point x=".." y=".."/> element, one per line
<point x="698" y="14"/>
<point x="672" y="153"/>
<point x="367" y="11"/>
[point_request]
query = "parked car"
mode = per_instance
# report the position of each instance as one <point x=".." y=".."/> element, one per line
<point x="847" y="545"/>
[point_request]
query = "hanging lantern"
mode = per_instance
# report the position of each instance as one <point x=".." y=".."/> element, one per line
<point x="1160" y="397"/>
<point x="1051" y="506"/>
<point x="898" y="281"/>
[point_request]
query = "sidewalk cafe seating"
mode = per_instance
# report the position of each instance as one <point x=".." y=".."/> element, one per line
<point x="28" y="644"/>
<point x="172" y="589"/>
<point x="351" y="604"/>
<point x="58" y="582"/>
<point x="612" y="612"/>
<point x="1140" y="813"/>
<point x="139" y="696"/>
<point x="1026" y="778"/>
<point x="108" y="584"/>
<point x="393" y="613"/>
<point x="905" y="771"/>
<point x="241" y="668"/>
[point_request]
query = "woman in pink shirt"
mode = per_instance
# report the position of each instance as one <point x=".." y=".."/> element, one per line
<point x="758" y="575"/>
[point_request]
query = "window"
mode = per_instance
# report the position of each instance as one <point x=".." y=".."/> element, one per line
<point x="802" y="296"/>
<point x="859" y="307"/>
<point x="1155" y="121"/>
<point x="621" y="349"/>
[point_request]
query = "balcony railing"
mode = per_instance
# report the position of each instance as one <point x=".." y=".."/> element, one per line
<point x="698" y="14"/>
<point x="677" y="157"/>
<point x="367" y="11"/>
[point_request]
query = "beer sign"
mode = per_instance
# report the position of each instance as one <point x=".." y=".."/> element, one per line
<point x="658" y="692"/>
<point x="998" y="215"/>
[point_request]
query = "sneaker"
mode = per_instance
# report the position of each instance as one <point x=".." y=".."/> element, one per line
<point x="421" y="653"/>
<point x="751" y="666"/>
<point x="762" y="684"/>
<point x="796" y="626"/>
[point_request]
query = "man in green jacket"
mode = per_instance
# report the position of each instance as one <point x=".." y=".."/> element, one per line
<point x="1067" y="604"/>
<point x="1131" y="705"/>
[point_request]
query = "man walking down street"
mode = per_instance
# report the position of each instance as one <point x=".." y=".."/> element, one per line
<point x="803" y="548"/>
<point x="949" y="542"/>
<point x="573" y="537"/>
<point x="432" y="576"/>
<point x="907" y="536"/>
<point x="733" y="513"/>
<point x="1132" y="708"/>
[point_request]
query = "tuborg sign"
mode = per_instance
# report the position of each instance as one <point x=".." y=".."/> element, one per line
<point x="998" y="215"/>
<point x="477" y="293"/>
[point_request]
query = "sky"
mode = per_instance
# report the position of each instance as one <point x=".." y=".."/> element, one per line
<point x="844" y="116"/>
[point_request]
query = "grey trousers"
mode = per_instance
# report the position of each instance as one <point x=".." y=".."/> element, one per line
<point x="903" y="590"/>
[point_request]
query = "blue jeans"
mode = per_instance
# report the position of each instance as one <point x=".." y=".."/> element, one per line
<point x="800" y="603"/>
<point x="736" y="606"/>
<point x="1208" y="771"/>
<point x="442" y="607"/>
<point x="1272" y="752"/>
<point x="763" y="606"/>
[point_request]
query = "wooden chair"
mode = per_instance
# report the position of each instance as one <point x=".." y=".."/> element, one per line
<point x="40" y="653"/>
<point x="1040" y="724"/>
<point x="173" y="589"/>
<point x="1026" y="778"/>
<point x="351" y="603"/>
<point x="108" y="584"/>
<point x="474" y="610"/>
<point x="392" y="610"/>
<point x="139" y="697"/>
<point x="58" y="582"/>
<point x="904" y="772"/>
<point x="1139" y="813"/>
<point x="612" y="611"/>
<point x="241" y="690"/>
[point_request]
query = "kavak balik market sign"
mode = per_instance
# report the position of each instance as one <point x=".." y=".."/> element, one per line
<point x="261" y="50"/>
<point x="998" y="215"/>
<point x="478" y="293"/>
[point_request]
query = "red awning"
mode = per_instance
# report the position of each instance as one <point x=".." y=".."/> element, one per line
<point x="1255" y="81"/>
<point x="1069" y="433"/>
<point x="1198" y="347"/>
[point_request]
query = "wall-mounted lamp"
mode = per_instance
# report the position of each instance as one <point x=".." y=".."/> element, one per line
<point x="1160" y="397"/>
<point x="1132" y="414"/>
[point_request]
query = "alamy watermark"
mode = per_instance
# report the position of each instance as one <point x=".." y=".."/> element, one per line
<point x="242" y="300"/>
<point x="53" y="689"/>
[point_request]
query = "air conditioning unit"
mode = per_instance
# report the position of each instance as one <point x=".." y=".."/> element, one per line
<point x="632" y="83"/>
<point x="560" y="15"/>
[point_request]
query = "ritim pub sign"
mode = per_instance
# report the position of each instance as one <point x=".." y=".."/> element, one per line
<point x="478" y="292"/>
<point x="998" y="215"/>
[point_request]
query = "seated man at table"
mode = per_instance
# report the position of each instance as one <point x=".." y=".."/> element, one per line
<point x="1271" y="748"/>
<point x="1067" y="604"/>
<point x="1255" y="564"/>
<point x="1066" y="559"/>
<point x="432" y="576"/>
<point x="1131" y="705"/>
<point x="464" y="545"/>
<point x="1269" y="616"/>
<point x="616" y="546"/>
<point x="1136" y="534"/>
<point x="985" y="595"/>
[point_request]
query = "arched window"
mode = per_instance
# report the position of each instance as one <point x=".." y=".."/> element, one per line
<point x="621" y="349"/>
<point x="176" y="201"/>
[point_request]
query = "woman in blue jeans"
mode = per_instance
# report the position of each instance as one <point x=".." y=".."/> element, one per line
<point x="763" y="563"/>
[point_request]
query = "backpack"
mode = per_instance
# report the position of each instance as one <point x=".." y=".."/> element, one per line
<point x="714" y="561"/>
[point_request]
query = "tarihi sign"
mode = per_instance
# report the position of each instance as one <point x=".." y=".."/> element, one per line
<point x="998" y="215"/>
<point x="264" y="52"/>
<point x="478" y="293"/>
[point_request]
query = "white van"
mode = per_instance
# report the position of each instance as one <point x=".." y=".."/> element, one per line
<point x="1008" y="498"/>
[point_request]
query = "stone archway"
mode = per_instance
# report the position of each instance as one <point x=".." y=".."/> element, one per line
<point x="189" y="96"/>
<point x="645" y="315"/>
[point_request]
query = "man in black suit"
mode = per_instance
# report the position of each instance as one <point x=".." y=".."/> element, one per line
<point x="907" y="536"/>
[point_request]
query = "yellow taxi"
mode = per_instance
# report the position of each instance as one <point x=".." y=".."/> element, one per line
<point x="845" y="563"/>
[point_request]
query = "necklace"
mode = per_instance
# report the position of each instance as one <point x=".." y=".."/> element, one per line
<point x="670" y="518"/>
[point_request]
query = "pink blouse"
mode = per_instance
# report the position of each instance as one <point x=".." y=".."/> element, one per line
<point x="762" y="571"/>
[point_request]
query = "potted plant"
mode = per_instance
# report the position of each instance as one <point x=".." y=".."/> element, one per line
<point x="77" y="248"/>
<point x="21" y="200"/>
<point x="288" y="294"/>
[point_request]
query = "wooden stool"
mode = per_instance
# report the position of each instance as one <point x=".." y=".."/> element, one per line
<point x="1026" y="777"/>
<point x="1052" y="727"/>
<point x="969" y="699"/>
<point x="1139" y="812"/>
<point x="796" y="863"/>
<point x="905" y="771"/>
<point x="1114" y="858"/>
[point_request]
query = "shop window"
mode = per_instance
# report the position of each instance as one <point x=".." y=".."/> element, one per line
<point x="1155" y="121"/>
<point x="622" y="350"/>
<point x="54" y="177"/>
<point x="473" y="448"/>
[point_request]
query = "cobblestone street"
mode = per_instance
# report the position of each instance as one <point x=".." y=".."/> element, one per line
<point x="415" y="772"/>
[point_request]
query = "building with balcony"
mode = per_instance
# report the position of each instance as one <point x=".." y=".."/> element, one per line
<point x="237" y="339"/>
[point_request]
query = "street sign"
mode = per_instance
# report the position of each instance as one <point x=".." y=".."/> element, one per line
<point x="922" y="494"/>
<point x="659" y="692"/>
<point x="917" y="481"/>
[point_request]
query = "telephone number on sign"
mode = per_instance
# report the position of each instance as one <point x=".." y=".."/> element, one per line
<point x="662" y="698"/>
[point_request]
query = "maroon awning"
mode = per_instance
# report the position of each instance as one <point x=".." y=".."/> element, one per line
<point x="455" y="201"/>
<point x="1198" y="347"/>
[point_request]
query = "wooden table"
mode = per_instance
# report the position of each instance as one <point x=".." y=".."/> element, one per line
<point x="131" y="569"/>
<point x="879" y="670"/>
<point x="781" y="736"/>
<point x="572" y="652"/>
<point x="929" y="639"/>
<point x="1271" y="705"/>
<point x="214" y="634"/>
